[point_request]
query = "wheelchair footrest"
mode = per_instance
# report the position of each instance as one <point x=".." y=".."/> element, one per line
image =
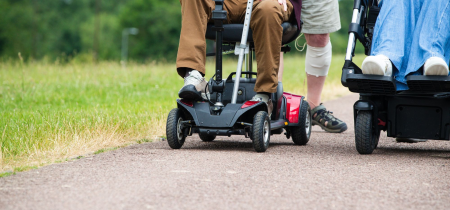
<point x="428" y="83"/>
<point x="375" y="84"/>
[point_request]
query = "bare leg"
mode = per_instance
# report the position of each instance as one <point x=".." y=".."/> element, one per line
<point x="315" y="84"/>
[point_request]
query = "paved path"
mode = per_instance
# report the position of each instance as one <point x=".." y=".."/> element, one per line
<point x="328" y="173"/>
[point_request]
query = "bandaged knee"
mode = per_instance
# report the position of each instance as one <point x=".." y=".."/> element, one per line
<point x="318" y="60"/>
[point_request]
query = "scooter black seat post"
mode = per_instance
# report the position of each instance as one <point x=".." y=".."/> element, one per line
<point x="219" y="15"/>
<point x="219" y="66"/>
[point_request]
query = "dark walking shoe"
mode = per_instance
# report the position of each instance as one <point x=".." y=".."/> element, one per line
<point x="326" y="120"/>
<point x="194" y="87"/>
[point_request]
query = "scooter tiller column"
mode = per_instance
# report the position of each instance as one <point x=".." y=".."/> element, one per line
<point x="242" y="46"/>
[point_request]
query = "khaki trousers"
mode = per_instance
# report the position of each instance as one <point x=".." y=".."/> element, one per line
<point x="265" y="23"/>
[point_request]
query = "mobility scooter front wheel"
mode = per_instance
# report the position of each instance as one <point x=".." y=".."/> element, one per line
<point x="366" y="134"/>
<point x="261" y="131"/>
<point x="302" y="132"/>
<point x="174" y="129"/>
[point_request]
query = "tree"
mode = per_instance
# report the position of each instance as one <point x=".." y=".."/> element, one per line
<point x="159" y="24"/>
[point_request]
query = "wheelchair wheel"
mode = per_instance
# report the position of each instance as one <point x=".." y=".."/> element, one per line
<point x="302" y="132"/>
<point x="366" y="134"/>
<point x="261" y="131"/>
<point x="207" y="137"/>
<point x="174" y="130"/>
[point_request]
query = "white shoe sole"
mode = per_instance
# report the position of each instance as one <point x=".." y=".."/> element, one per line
<point x="435" y="66"/>
<point x="377" y="65"/>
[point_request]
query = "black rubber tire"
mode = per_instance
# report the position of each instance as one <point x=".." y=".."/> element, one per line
<point x="207" y="137"/>
<point x="261" y="131"/>
<point x="174" y="138"/>
<point x="377" y="140"/>
<point x="366" y="135"/>
<point x="302" y="132"/>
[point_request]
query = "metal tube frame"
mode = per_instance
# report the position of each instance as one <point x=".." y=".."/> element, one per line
<point x="356" y="18"/>
<point x="243" y="45"/>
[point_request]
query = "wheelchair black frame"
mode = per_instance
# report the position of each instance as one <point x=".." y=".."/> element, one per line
<point x="421" y="112"/>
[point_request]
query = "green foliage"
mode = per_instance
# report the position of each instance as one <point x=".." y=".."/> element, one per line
<point x="340" y="38"/>
<point x="159" y="24"/>
<point x="16" y="17"/>
<point x="41" y="28"/>
<point x="109" y="37"/>
<point x="64" y="29"/>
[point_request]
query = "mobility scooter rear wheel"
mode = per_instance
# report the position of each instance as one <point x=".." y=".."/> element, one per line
<point x="174" y="129"/>
<point x="302" y="132"/>
<point x="366" y="134"/>
<point x="261" y="131"/>
<point x="207" y="137"/>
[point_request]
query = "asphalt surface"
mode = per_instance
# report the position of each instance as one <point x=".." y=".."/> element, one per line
<point x="328" y="173"/>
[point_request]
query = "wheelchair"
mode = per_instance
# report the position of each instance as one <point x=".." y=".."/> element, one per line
<point x="229" y="110"/>
<point x="422" y="112"/>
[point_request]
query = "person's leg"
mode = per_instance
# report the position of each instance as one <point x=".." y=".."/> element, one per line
<point x="315" y="82"/>
<point x="315" y="86"/>
<point x="192" y="47"/>
<point x="431" y="39"/>
<point x="392" y="39"/>
<point x="267" y="17"/>
<point x="317" y="66"/>
<point x="320" y="19"/>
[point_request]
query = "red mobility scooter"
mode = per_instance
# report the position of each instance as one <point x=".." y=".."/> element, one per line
<point x="228" y="110"/>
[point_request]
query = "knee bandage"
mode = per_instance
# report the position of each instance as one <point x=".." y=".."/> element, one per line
<point x="318" y="60"/>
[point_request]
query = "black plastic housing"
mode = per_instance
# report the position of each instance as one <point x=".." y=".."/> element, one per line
<point x="421" y="112"/>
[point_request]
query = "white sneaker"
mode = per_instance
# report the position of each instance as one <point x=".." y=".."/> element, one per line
<point x="264" y="98"/>
<point x="260" y="97"/>
<point x="377" y="65"/>
<point x="435" y="66"/>
<point x="194" y="87"/>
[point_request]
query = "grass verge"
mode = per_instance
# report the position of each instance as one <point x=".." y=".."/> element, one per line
<point x="49" y="112"/>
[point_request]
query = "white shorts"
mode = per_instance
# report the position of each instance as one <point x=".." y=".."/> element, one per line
<point x="320" y="16"/>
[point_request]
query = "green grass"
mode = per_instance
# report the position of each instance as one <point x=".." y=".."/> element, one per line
<point x="17" y="169"/>
<point x="44" y="106"/>
<point x="5" y="174"/>
<point x="53" y="111"/>
<point x="144" y="140"/>
<point x="105" y="150"/>
<point x="24" y="168"/>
